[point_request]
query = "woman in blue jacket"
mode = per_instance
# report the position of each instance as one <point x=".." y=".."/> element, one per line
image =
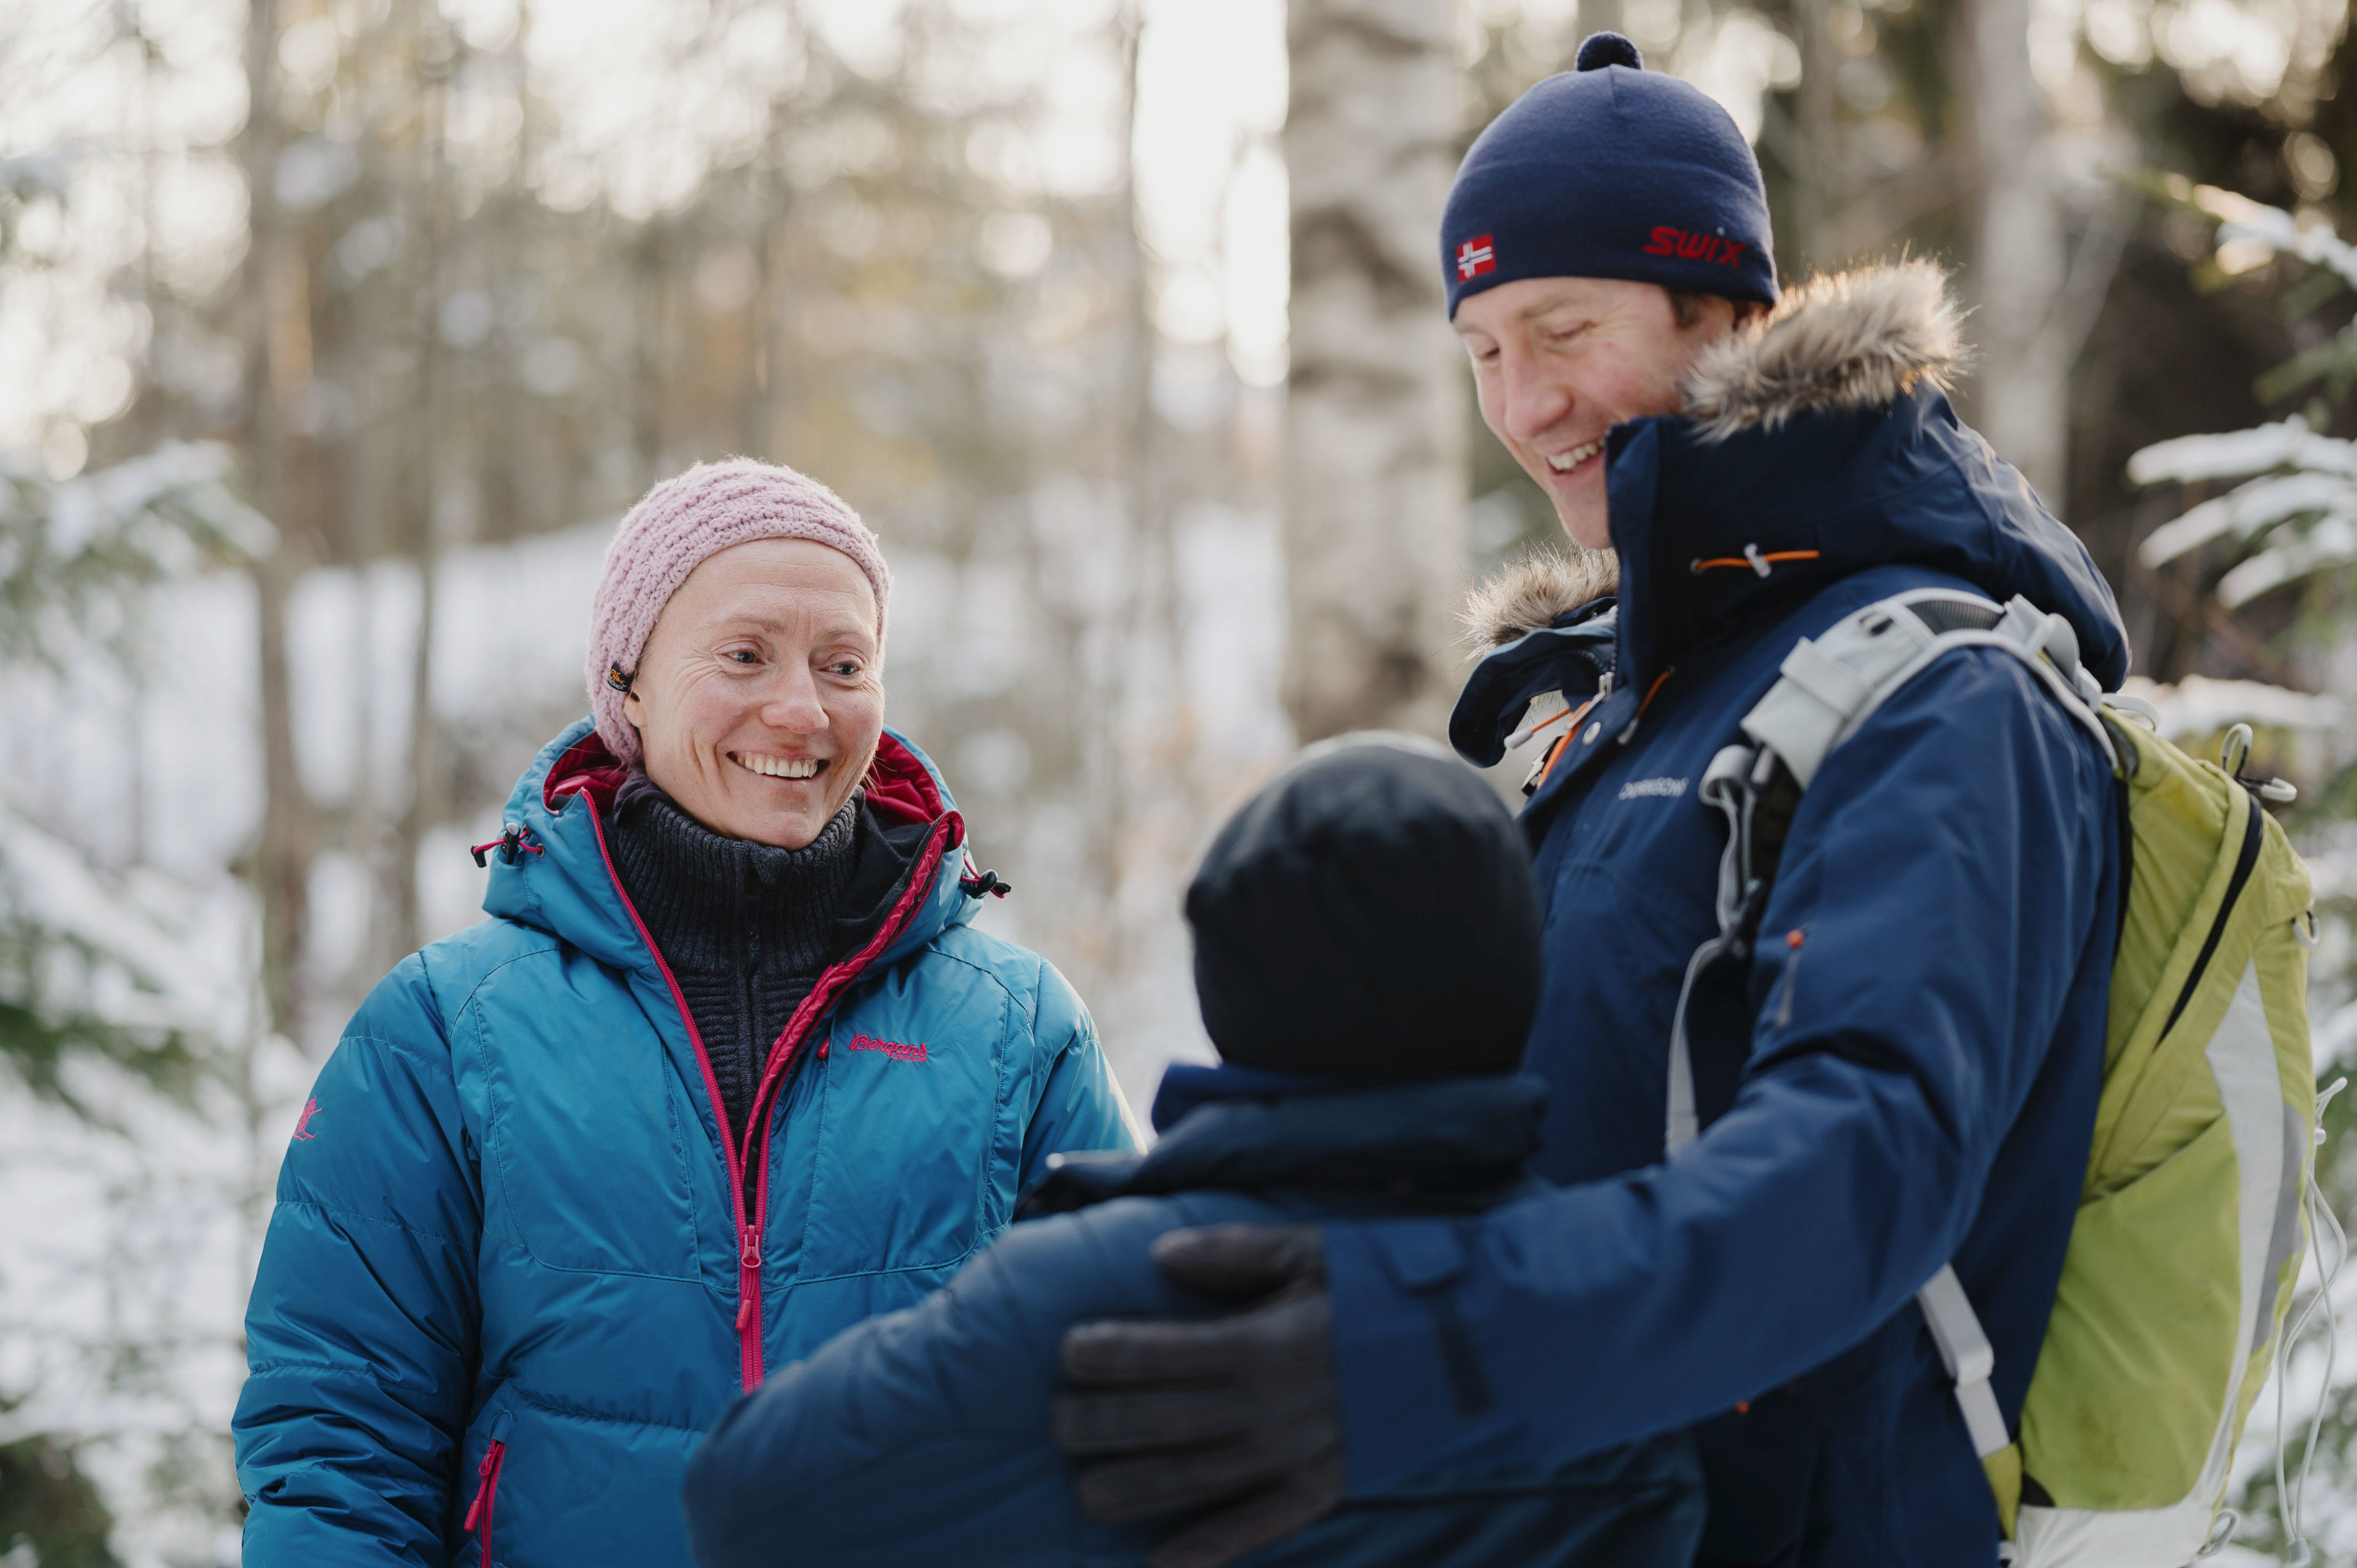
<point x="727" y="1071"/>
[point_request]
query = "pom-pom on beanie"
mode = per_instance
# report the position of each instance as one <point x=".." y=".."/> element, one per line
<point x="1369" y="915"/>
<point x="679" y="524"/>
<point x="1610" y="171"/>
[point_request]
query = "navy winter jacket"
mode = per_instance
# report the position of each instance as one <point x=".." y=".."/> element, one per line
<point x="922" y="1438"/>
<point x="513" y="1274"/>
<point x="1915" y="1075"/>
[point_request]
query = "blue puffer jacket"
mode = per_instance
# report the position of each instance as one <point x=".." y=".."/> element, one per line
<point x="922" y="1438"/>
<point x="1912" y="1076"/>
<point x="510" y="1277"/>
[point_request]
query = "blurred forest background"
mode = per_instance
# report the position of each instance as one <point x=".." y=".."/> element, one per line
<point x="338" y="333"/>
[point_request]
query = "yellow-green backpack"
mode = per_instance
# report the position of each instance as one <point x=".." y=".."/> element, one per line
<point x="2200" y="1189"/>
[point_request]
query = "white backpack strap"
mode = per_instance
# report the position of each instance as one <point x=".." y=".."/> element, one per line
<point x="1964" y="1351"/>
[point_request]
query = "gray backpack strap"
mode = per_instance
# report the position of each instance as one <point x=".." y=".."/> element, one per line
<point x="1832" y="684"/>
<point x="1827" y="687"/>
<point x="1732" y="784"/>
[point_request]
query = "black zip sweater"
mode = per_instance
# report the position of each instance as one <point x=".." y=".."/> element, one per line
<point x="747" y="928"/>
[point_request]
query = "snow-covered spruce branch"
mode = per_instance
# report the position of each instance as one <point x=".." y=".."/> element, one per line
<point x="92" y="965"/>
<point x="2296" y="511"/>
<point x="111" y="968"/>
<point x="69" y="551"/>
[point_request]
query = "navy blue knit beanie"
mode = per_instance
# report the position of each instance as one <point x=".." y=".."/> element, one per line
<point x="1610" y="171"/>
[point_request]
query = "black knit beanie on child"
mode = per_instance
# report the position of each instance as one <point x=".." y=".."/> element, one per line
<point x="1370" y="914"/>
<point x="1610" y="171"/>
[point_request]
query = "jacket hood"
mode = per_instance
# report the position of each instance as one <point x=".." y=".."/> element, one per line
<point x="1545" y="623"/>
<point x="1448" y="1134"/>
<point x="1854" y="340"/>
<point x="1819" y="442"/>
<point x="1545" y="588"/>
<point x="1238" y="1130"/>
<point x="551" y="870"/>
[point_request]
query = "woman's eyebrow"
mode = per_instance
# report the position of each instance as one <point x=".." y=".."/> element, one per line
<point x="734" y="620"/>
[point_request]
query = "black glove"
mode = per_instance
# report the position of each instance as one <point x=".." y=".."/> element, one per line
<point x="1242" y="1410"/>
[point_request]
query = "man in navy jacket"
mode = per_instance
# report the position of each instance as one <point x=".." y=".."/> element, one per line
<point x="1907" y="1074"/>
<point x="1360" y="1081"/>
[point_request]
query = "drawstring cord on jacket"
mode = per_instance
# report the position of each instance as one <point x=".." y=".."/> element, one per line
<point x="1759" y="565"/>
<point x="509" y="843"/>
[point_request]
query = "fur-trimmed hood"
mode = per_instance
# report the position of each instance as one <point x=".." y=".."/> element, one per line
<point x="1852" y="341"/>
<point x="1817" y="443"/>
<point x="1536" y="591"/>
<point x="1544" y="629"/>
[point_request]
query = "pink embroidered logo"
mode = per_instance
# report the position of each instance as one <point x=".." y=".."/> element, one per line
<point x="1668" y="242"/>
<point x="893" y="1049"/>
<point x="303" y="1122"/>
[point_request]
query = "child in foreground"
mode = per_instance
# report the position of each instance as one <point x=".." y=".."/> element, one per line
<point x="1367" y="961"/>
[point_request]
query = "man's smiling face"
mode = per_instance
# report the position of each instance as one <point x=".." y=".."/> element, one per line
<point x="1557" y="362"/>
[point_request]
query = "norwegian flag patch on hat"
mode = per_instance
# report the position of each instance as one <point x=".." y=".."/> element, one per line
<point x="1476" y="256"/>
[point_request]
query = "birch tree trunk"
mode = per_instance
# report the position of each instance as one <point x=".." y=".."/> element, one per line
<point x="282" y="861"/>
<point x="1375" y="432"/>
<point x="2020" y="259"/>
<point x="424" y="805"/>
<point x="1802" y="235"/>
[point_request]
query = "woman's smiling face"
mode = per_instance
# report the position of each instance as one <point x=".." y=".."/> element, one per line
<point x="760" y="699"/>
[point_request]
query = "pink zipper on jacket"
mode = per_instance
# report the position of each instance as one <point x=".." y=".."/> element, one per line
<point x="782" y="1055"/>
<point x="486" y="1496"/>
<point x="789" y="1046"/>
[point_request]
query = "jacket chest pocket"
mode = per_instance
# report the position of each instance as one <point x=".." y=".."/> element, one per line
<point x="910" y="1140"/>
<point x="586" y="1137"/>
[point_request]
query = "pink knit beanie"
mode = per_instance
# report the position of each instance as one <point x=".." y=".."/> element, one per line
<point x="667" y="535"/>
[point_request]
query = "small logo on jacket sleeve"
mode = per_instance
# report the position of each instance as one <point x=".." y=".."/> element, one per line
<point x="1692" y="247"/>
<point x="1476" y="256"/>
<point x="303" y="1124"/>
<point x="892" y="1049"/>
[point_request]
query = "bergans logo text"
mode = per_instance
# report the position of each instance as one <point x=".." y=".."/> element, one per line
<point x="1695" y="247"/>
<point x="1639" y="788"/>
<point x="893" y="1049"/>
